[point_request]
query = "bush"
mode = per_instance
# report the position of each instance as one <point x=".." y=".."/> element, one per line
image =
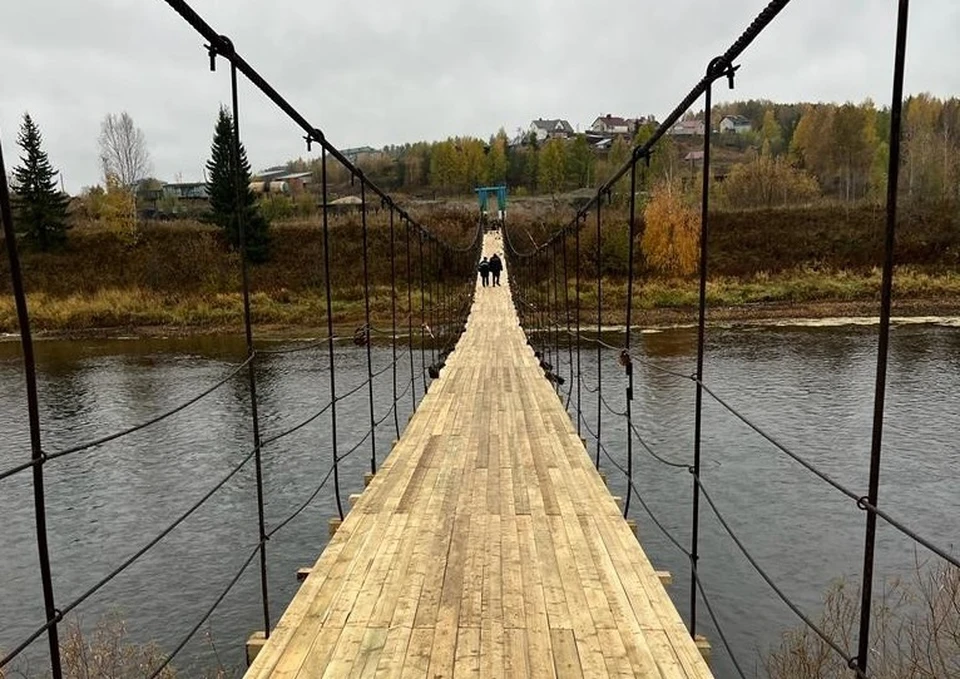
<point x="915" y="632"/>
<point x="671" y="238"/>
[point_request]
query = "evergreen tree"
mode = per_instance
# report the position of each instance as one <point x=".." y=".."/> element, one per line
<point x="222" y="187"/>
<point x="41" y="207"/>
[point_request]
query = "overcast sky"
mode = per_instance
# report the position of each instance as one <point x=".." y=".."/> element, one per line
<point x="384" y="71"/>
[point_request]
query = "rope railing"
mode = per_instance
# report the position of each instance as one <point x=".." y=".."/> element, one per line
<point x="440" y="271"/>
<point x="534" y="270"/>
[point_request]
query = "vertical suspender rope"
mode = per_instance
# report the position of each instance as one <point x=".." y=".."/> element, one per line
<point x="33" y="416"/>
<point x="330" y="353"/>
<point x="554" y="249"/>
<point x="393" y="318"/>
<point x="240" y="191"/>
<point x="599" y="331"/>
<point x="435" y="309"/>
<point x="366" y="329"/>
<point x="628" y="363"/>
<point x="576" y="268"/>
<point x="413" y="374"/>
<point x="423" y="318"/>
<point x="886" y="294"/>
<point x="566" y="313"/>
<point x="712" y="70"/>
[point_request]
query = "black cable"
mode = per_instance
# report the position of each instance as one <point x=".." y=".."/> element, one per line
<point x="716" y="622"/>
<point x="654" y="454"/>
<point x="159" y="418"/>
<point x="136" y="556"/>
<point x="763" y="574"/>
<point x="302" y="507"/>
<point x="223" y="594"/>
<point x="21" y="468"/>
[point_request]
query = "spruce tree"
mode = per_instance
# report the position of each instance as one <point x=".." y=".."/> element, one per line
<point x="222" y="188"/>
<point x="41" y="207"/>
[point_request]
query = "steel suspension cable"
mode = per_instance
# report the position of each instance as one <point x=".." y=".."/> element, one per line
<point x="366" y="312"/>
<point x="576" y="268"/>
<point x="330" y="352"/>
<point x="393" y="317"/>
<point x="883" y="344"/>
<point x="423" y="318"/>
<point x="625" y="355"/>
<point x="33" y="420"/>
<point x="566" y="314"/>
<point x="701" y="329"/>
<point x="239" y="191"/>
<point x="58" y="614"/>
<point x="599" y="260"/>
<point x="413" y="378"/>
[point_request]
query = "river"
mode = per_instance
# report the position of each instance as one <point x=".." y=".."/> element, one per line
<point x="810" y="387"/>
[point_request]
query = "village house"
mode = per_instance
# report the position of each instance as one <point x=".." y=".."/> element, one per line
<point x="551" y="129"/>
<point x="688" y="128"/>
<point x="735" y="124"/>
<point x="610" y="124"/>
<point x="613" y="125"/>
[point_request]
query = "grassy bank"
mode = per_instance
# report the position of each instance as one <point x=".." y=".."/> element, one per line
<point x="182" y="277"/>
<point x="805" y="293"/>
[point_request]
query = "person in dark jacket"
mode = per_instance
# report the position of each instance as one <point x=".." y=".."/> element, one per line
<point x="496" y="266"/>
<point x="484" y="270"/>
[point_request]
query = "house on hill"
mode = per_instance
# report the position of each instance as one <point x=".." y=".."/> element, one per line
<point x="688" y="128"/>
<point x="556" y="128"/>
<point x="610" y="124"/>
<point x="736" y="124"/>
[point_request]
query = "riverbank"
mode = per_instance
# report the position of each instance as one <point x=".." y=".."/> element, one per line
<point x="133" y="314"/>
<point x="182" y="279"/>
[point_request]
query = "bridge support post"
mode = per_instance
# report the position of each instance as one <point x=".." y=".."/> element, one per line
<point x="703" y="645"/>
<point x="333" y="525"/>
<point x="254" y="645"/>
<point x="367" y="479"/>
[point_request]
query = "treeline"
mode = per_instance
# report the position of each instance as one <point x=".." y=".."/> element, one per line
<point x="793" y="154"/>
<point x="457" y="165"/>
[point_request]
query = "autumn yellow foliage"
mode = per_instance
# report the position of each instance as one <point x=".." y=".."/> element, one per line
<point x="671" y="237"/>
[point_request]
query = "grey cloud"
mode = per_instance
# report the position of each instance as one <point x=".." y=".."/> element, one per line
<point x="381" y="72"/>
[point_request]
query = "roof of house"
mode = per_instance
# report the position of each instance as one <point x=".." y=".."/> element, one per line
<point x="689" y="123"/>
<point x="552" y="124"/>
<point x="737" y="120"/>
<point x="613" y="121"/>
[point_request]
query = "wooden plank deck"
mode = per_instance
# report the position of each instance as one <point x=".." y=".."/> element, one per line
<point x="486" y="546"/>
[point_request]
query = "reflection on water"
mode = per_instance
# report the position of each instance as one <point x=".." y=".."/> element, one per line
<point x="811" y="388"/>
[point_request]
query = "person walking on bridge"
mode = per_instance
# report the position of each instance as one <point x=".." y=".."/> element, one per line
<point x="484" y="270"/>
<point x="496" y="266"/>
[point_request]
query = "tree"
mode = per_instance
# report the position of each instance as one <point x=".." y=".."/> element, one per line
<point x="41" y="207"/>
<point x="580" y="162"/>
<point x="771" y="132"/>
<point x="231" y="199"/>
<point x="497" y="159"/>
<point x="123" y="150"/>
<point x="671" y="235"/>
<point x="552" y="167"/>
<point x="767" y="182"/>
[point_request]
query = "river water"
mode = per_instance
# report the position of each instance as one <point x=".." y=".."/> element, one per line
<point x="810" y="387"/>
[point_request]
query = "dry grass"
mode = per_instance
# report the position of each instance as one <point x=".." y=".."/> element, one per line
<point x="915" y="632"/>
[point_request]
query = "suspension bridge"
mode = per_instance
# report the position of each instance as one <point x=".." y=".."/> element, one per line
<point x="486" y="542"/>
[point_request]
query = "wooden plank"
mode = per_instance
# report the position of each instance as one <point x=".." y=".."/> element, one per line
<point x="565" y="657"/>
<point x="486" y="545"/>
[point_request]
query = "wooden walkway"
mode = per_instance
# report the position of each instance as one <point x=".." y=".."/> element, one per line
<point x="487" y="545"/>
